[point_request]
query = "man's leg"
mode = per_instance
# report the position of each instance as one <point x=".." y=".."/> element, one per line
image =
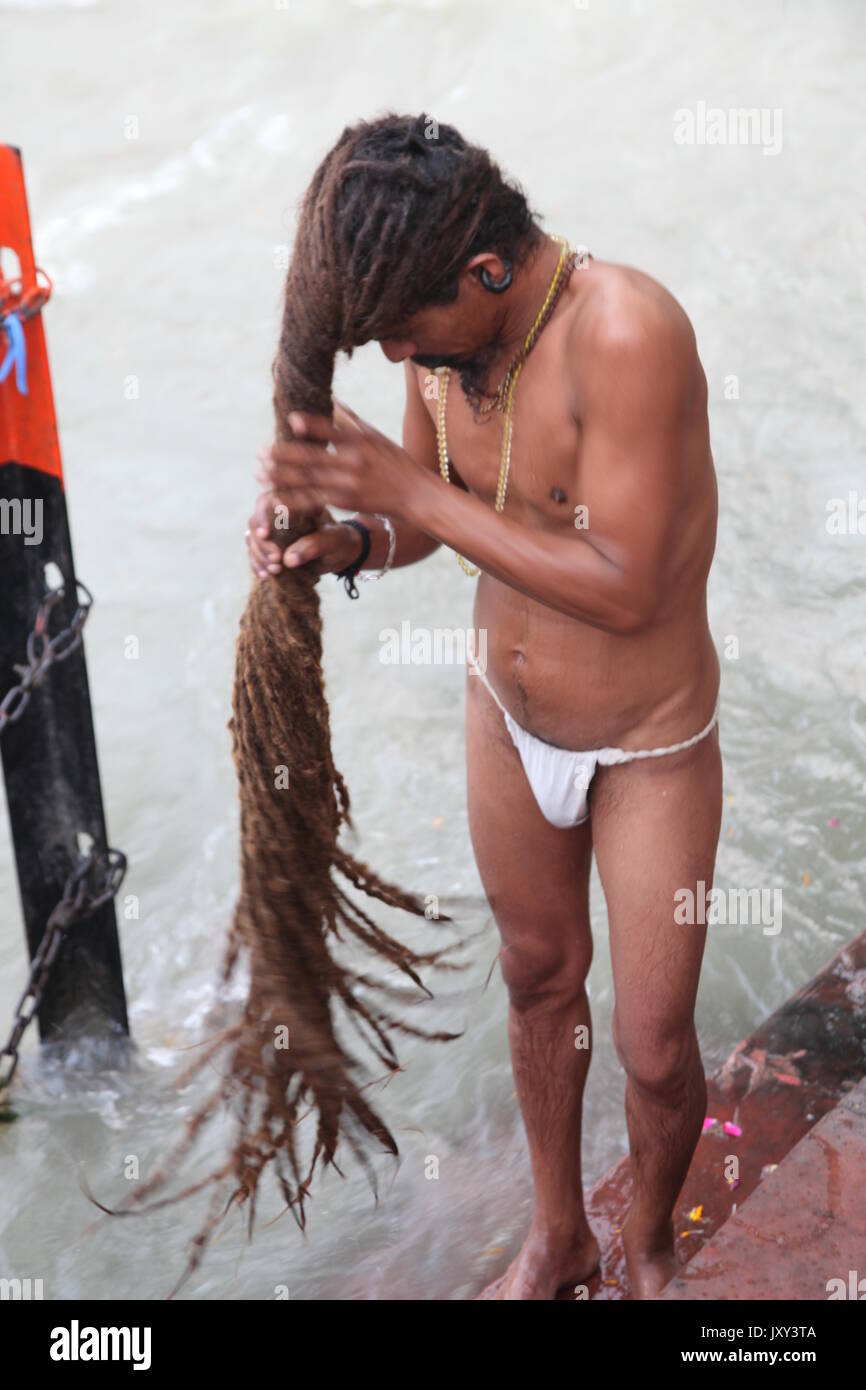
<point x="537" y="882"/>
<point x="655" y="829"/>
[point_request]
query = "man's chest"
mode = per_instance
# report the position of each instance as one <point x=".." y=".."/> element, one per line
<point x="538" y="468"/>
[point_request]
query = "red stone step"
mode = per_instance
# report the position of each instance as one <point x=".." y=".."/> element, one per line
<point x="802" y="1234"/>
<point x="776" y="1086"/>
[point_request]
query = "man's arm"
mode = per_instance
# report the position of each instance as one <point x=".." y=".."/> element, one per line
<point x="633" y="403"/>
<point x="413" y="543"/>
<point x="333" y="545"/>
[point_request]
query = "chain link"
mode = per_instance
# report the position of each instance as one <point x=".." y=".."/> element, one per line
<point x="42" y="654"/>
<point x="99" y="874"/>
<point x="91" y="884"/>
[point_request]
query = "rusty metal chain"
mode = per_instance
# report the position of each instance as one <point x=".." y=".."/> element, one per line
<point x="99" y="874"/>
<point x="42" y="653"/>
<point x="92" y="883"/>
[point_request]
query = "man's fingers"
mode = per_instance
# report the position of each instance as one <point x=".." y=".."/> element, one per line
<point x="298" y="464"/>
<point x="308" y="548"/>
<point x="317" y="427"/>
<point x="264" y="555"/>
<point x="307" y="452"/>
<point x="263" y="514"/>
<point x="303" y="491"/>
<point x="258" y="538"/>
<point x="327" y="548"/>
<point x="306" y="479"/>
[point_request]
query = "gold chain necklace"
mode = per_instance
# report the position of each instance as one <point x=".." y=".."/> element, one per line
<point x="504" y="396"/>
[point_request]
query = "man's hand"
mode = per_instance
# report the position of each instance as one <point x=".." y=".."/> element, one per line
<point x="340" y="463"/>
<point x="331" y="547"/>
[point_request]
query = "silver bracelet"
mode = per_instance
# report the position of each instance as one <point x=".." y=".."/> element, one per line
<point x="392" y="545"/>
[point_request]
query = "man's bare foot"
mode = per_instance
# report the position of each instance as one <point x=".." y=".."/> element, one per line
<point x="544" y="1266"/>
<point x="649" y="1269"/>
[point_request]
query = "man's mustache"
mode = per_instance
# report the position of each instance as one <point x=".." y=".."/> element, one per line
<point x="473" y="370"/>
<point x="427" y="359"/>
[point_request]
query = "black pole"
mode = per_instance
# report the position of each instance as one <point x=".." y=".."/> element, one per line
<point x="49" y="753"/>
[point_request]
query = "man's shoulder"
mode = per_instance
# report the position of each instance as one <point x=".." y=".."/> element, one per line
<point x="623" y="311"/>
<point x="626" y="323"/>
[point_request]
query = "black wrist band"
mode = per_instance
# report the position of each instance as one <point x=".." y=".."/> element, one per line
<point x="348" y="574"/>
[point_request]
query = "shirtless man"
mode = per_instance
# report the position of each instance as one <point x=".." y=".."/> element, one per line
<point x="597" y="639"/>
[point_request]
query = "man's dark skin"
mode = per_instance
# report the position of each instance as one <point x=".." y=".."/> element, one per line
<point x="596" y="637"/>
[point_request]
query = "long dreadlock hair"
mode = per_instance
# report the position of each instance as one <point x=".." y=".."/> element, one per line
<point x="391" y="216"/>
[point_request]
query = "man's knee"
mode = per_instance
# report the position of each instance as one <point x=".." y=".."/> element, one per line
<point x="545" y="970"/>
<point x="661" y="1065"/>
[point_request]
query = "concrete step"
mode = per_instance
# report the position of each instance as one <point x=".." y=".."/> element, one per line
<point x="777" y="1087"/>
<point x="801" y="1235"/>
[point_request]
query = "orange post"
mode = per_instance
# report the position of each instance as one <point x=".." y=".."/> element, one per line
<point x="46" y="740"/>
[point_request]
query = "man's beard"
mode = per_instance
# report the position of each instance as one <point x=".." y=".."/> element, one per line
<point x="472" y="370"/>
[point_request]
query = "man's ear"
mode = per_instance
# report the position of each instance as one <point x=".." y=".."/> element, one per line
<point x="489" y="270"/>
